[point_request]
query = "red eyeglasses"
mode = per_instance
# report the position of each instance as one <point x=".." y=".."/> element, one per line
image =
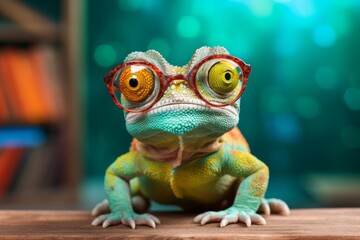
<point x="218" y="80"/>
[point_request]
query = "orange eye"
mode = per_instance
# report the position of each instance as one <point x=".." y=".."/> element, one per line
<point x="136" y="83"/>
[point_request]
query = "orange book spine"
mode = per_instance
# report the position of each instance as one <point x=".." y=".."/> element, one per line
<point x="9" y="86"/>
<point x="4" y="112"/>
<point x="9" y="161"/>
<point x="27" y="85"/>
<point x="45" y="88"/>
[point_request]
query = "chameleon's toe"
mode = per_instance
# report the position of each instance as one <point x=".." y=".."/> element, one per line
<point x="278" y="206"/>
<point x="101" y="208"/>
<point x="99" y="220"/>
<point x="130" y="220"/>
<point x="110" y="222"/>
<point x="264" y="207"/>
<point x="230" y="215"/>
<point x="228" y="219"/>
<point x="273" y="206"/>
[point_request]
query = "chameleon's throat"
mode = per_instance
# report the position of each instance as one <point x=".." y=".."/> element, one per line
<point x="179" y="155"/>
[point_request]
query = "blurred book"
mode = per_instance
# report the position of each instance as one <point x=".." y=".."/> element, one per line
<point x="31" y="136"/>
<point x="9" y="162"/>
<point x="30" y="86"/>
<point x="4" y="111"/>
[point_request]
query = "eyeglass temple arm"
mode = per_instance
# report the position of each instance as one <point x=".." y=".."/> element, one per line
<point x="107" y="79"/>
<point x="247" y="69"/>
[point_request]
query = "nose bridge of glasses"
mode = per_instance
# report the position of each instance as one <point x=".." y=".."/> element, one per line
<point x="176" y="80"/>
<point x="172" y="78"/>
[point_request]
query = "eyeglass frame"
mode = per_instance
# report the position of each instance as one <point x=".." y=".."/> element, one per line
<point x="165" y="80"/>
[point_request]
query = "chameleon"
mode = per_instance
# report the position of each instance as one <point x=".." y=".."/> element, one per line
<point x="187" y="149"/>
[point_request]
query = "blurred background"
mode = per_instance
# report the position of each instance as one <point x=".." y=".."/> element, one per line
<point x="59" y="129"/>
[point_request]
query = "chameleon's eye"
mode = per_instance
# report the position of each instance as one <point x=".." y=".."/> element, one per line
<point x="136" y="86"/>
<point x="136" y="83"/>
<point x="223" y="77"/>
<point x="219" y="81"/>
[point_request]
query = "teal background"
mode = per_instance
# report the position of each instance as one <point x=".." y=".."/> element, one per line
<point x="301" y="109"/>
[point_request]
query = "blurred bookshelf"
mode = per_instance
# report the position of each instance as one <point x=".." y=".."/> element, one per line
<point x="40" y="104"/>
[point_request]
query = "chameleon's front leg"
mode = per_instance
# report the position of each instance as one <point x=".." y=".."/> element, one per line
<point x="119" y="198"/>
<point x="249" y="194"/>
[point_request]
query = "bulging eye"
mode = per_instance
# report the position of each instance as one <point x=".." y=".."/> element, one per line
<point x="219" y="81"/>
<point x="223" y="77"/>
<point x="136" y="83"/>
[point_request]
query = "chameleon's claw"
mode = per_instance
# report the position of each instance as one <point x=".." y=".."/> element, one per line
<point x="147" y="221"/>
<point x="110" y="222"/>
<point x="155" y="219"/>
<point x="130" y="220"/>
<point x="228" y="219"/>
<point x="207" y="218"/>
<point x="198" y="218"/>
<point x="257" y="219"/>
<point x="230" y="215"/>
<point x="245" y="218"/>
<point x="99" y="220"/>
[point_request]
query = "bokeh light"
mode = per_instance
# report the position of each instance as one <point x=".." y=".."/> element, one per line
<point x="130" y="5"/>
<point x="105" y="55"/>
<point x="324" y="35"/>
<point x="261" y="8"/>
<point x="188" y="27"/>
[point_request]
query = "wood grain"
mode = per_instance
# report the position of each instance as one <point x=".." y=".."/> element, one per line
<point x="302" y="224"/>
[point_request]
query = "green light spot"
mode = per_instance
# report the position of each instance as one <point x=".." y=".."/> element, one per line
<point x="326" y="78"/>
<point x="350" y="136"/>
<point x="105" y="55"/>
<point x="130" y="5"/>
<point x="261" y="8"/>
<point x="352" y="98"/>
<point x="188" y="27"/>
<point x="159" y="45"/>
<point x="325" y="36"/>
<point x="342" y="23"/>
<point x="307" y="107"/>
<point x="203" y="8"/>
<point x="305" y="8"/>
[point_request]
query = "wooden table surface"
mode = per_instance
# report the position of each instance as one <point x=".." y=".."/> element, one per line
<point x="301" y="224"/>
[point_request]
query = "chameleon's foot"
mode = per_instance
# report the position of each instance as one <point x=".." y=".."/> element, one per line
<point x="139" y="204"/>
<point x="130" y="219"/>
<point x="230" y="215"/>
<point x="273" y="206"/>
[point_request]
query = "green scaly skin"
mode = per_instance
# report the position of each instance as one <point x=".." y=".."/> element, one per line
<point x="189" y="154"/>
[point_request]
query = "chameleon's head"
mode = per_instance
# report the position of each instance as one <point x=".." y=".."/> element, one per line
<point x="161" y="102"/>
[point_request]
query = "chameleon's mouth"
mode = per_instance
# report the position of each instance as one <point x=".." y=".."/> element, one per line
<point x="183" y="105"/>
